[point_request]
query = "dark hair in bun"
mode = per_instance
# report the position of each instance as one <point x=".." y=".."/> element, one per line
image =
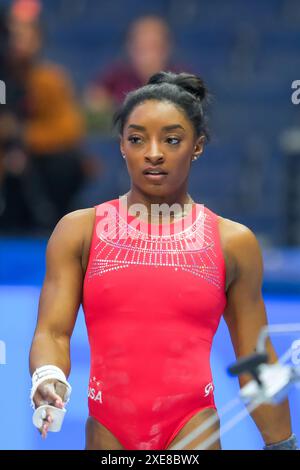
<point x="188" y="82"/>
<point x="187" y="92"/>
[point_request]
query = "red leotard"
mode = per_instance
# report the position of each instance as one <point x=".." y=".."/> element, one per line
<point x="152" y="304"/>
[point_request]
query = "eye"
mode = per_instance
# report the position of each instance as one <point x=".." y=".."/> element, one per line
<point x="134" y="139"/>
<point x="173" y="140"/>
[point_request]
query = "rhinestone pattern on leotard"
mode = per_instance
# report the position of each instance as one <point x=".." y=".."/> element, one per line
<point x="191" y="250"/>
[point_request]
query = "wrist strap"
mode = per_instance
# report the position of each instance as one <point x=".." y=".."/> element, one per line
<point x="288" y="444"/>
<point x="49" y="372"/>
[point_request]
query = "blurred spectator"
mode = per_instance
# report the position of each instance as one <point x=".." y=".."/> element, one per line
<point x="148" y="49"/>
<point x="41" y="130"/>
<point x="3" y="37"/>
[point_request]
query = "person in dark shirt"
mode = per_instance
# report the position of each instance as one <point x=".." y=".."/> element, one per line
<point x="148" y="49"/>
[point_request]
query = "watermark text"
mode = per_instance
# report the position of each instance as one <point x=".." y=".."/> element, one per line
<point x="2" y="353"/>
<point x="2" y="92"/>
<point x="296" y="94"/>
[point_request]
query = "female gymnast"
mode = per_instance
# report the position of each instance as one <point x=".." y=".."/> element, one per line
<point x="154" y="271"/>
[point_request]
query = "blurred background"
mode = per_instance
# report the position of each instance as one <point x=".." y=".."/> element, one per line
<point x="67" y="65"/>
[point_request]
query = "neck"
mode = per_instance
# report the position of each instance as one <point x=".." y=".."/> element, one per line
<point x="182" y="200"/>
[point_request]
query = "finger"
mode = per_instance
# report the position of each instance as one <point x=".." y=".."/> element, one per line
<point x="43" y="430"/>
<point x="60" y="389"/>
<point x="46" y="425"/>
<point x="41" y="396"/>
<point x="38" y="399"/>
<point x="59" y="403"/>
<point x="51" y="396"/>
<point x="45" y="422"/>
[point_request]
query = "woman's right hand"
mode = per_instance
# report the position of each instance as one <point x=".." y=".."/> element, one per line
<point x="50" y="392"/>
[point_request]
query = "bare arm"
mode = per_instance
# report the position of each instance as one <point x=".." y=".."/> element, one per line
<point x="60" y="297"/>
<point x="245" y="315"/>
<point x="59" y="303"/>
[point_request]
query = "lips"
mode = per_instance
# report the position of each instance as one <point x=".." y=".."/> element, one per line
<point x="155" y="177"/>
<point x="154" y="171"/>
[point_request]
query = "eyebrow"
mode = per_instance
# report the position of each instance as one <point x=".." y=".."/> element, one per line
<point x="165" y="128"/>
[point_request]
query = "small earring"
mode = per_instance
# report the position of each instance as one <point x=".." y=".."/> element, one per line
<point x="124" y="156"/>
<point x="195" y="157"/>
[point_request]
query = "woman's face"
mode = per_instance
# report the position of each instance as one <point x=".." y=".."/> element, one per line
<point x="159" y="143"/>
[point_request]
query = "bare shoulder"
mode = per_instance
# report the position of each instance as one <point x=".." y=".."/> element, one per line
<point x="80" y="217"/>
<point x="234" y="233"/>
<point x="76" y="223"/>
<point x="240" y="247"/>
<point x="73" y="232"/>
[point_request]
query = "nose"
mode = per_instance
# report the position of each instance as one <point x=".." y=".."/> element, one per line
<point x="153" y="154"/>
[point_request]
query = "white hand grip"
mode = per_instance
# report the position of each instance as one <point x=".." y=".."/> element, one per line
<point x="57" y="414"/>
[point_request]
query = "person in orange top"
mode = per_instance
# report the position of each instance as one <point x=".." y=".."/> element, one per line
<point x="55" y="122"/>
